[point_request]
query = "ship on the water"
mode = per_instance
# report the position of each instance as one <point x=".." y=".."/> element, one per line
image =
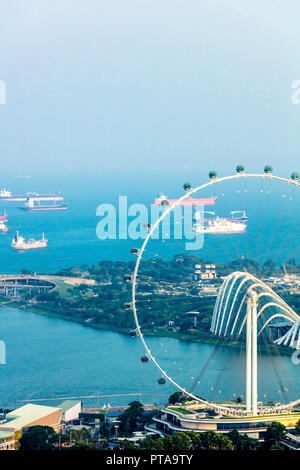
<point x="209" y="201"/>
<point x="7" y="196"/>
<point x="39" y="204"/>
<point x="3" y="222"/>
<point x="3" y="227"/>
<point x="220" y="225"/>
<point x="3" y="217"/>
<point x="19" y="243"/>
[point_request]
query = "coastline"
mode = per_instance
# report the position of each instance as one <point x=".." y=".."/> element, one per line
<point x="204" y="339"/>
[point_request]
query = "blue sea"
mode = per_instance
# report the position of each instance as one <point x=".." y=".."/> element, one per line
<point x="49" y="357"/>
<point x="273" y="228"/>
<point x="53" y="358"/>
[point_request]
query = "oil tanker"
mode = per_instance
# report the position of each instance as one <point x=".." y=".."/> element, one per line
<point x="7" y="196"/>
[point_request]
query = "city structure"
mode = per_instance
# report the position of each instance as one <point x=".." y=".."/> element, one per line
<point x="16" y="422"/>
<point x="206" y="272"/>
<point x="198" y="418"/>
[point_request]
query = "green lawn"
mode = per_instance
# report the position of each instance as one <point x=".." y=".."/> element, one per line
<point x="63" y="289"/>
<point x="180" y="410"/>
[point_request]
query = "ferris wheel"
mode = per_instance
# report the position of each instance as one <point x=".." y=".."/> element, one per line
<point x="254" y="228"/>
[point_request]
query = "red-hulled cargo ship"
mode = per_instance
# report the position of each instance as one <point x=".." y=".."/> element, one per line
<point x="210" y="201"/>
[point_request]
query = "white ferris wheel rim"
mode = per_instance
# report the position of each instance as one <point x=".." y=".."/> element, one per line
<point x="222" y="409"/>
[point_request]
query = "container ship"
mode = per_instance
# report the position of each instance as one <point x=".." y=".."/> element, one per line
<point x="20" y="244"/>
<point x="209" y="201"/>
<point x="7" y="196"/>
<point x="41" y="204"/>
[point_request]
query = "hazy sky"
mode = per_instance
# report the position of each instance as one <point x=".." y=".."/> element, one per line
<point x="158" y="85"/>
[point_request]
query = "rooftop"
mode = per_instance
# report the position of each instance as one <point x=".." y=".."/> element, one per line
<point x="25" y="415"/>
<point x="67" y="405"/>
<point x="5" y="434"/>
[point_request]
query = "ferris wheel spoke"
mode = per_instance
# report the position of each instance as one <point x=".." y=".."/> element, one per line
<point x="282" y="214"/>
<point x="215" y="246"/>
<point x="290" y="236"/>
<point x="234" y="245"/>
<point x="266" y="204"/>
<point x="234" y="242"/>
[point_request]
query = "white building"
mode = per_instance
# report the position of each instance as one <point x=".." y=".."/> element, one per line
<point x="70" y="410"/>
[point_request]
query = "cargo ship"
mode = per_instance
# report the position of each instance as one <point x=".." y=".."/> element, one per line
<point x="220" y="225"/>
<point x="209" y="201"/>
<point x="34" y="204"/>
<point x="7" y="196"/>
<point x="20" y="244"/>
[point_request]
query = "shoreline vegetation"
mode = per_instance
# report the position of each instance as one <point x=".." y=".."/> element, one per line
<point x="204" y="339"/>
<point x="167" y="291"/>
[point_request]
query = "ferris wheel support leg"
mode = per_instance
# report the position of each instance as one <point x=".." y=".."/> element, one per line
<point x="248" y="357"/>
<point x="254" y="352"/>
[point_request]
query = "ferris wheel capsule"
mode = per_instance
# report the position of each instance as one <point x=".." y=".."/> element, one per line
<point x="164" y="203"/>
<point x="127" y="278"/>
<point x="240" y="169"/>
<point x="161" y="381"/>
<point x="132" y="333"/>
<point x="145" y="359"/>
<point x="187" y="187"/>
<point x="147" y="226"/>
<point x="134" y="251"/>
<point x="295" y="176"/>
<point x="212" y="175"/>
<point x="127" y="306"/>
<point x="268" y="169"/>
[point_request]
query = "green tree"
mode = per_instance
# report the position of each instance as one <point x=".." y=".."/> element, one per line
<point x="152" y="444"/>
<point x="276" y="447"/>
<point x="213" y="441"/>
<point x="242" y="442"/>
<point x="274" y="434"/>
<point x="239" y="400"/>
<point x="82" y="446"/>
<point x="38" y="438"/>
<point x="130" y="418"/>
<point x="175" y="398"/>
<point x="179" y="441"/>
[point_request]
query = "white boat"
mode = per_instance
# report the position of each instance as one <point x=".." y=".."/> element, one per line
<point x="220" y="225"/>
<point x="3" y="228"/>
<point x="5" y="193"/>
<point x="19" y="243"/>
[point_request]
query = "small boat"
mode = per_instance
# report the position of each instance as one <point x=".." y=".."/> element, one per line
<point x="3" y="227"/>
<point x="3" y="217"/>
<point x="19" y="243"/>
